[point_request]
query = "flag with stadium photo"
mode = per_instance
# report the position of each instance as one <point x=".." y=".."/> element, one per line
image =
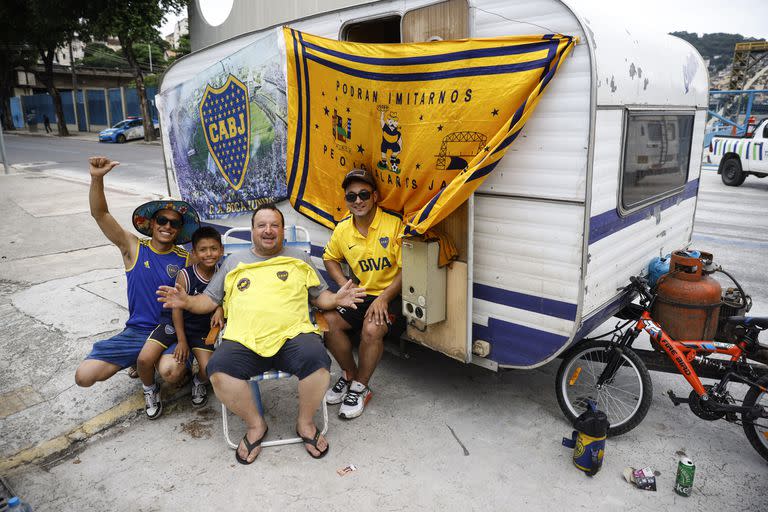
<point x="429" y="120"/>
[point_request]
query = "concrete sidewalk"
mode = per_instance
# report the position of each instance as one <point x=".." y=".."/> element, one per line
<point x="437" y="435"/>
<point x="63" y="288"/>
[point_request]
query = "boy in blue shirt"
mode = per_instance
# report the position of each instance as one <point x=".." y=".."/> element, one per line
<point x="168" y="347"/>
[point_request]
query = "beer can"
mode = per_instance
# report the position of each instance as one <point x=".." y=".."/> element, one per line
<point x="685" y="472"/>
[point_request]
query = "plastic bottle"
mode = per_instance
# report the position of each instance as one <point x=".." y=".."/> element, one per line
<point x="15" y="504"/>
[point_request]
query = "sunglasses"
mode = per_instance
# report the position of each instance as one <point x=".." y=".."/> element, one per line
<point x="351" y="197"/>
<point x="175" y="223"/>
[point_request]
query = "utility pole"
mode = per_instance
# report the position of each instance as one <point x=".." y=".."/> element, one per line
<point x="74" y="85"/>
<point x="2" y="150"/>
<point x="149" y="46"/>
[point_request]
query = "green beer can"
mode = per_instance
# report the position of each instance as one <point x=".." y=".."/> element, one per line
<point x="686" y="469"/>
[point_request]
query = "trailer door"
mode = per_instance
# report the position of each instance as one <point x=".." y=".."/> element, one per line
<point x="446" y="21"/>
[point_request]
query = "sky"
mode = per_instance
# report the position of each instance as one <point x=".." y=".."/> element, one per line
<point x="746" y="17"/>
<point x="170" y="22"/>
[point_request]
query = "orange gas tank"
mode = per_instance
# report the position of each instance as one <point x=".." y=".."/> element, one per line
<point x="687" y="301"/>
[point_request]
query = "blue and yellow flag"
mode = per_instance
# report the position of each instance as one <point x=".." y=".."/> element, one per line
<point x="430" y="120"/>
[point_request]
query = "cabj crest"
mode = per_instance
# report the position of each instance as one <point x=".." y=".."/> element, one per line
<point x="225" y="117"/>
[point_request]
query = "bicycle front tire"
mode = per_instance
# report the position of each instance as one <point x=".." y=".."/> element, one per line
<point x="757" y="430"/>
<point x="625" y="398"/>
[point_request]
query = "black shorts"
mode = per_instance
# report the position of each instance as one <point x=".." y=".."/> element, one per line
<point x="165" y="336"/>
<point x="301" y="356"/>
<point x="355" y="317"/>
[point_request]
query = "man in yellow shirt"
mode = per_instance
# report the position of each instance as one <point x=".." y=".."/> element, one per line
<point x="369" y="242"/>
<point x="265" y="291"/>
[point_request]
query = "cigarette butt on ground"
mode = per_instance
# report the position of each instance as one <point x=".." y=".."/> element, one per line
<point x="346" y="470"/>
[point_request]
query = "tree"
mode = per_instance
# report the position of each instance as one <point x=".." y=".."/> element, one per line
<point x="99" y="55"/>
<point x="183" y="48"/>
<point x="133" y="21"/>
<point x="142" y="48"/>
<point x="14" y="53"/>
<point x="32" y="30"/>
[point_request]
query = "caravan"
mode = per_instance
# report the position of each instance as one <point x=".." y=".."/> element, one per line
<point x="603" y="177"/>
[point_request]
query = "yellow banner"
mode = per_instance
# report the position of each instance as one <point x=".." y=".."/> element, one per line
<point x="430" y="120"/>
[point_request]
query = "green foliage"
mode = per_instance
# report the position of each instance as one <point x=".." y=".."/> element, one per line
<point x="718" y="47"/>
<point x="150" y="80"/>
<point x="99" y="55"/>
<point x="141" y="50"/>
<point x="184" y="47"/>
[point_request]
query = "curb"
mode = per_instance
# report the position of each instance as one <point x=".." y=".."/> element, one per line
<point x="62" y="443"/>
<point x="59" y="446"/>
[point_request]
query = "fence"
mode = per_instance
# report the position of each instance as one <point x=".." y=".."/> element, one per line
<point x="96" y="108"/>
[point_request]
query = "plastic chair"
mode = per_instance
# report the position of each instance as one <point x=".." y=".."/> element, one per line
<point x="296" y="236"/>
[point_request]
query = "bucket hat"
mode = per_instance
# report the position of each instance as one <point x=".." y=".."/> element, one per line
<point x="142" y="217"/>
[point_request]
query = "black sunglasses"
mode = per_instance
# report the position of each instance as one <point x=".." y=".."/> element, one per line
<point x="163" y="220"/>
<point x="351" y="197"/>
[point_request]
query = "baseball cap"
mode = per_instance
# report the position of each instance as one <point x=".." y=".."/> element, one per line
<point x="358" y="175"/>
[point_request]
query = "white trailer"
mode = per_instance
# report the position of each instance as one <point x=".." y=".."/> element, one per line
<point x="580" y="202"/>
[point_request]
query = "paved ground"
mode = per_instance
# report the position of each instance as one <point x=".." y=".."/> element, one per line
<point x="437" y="435"/>
<point x="140" y="162"/>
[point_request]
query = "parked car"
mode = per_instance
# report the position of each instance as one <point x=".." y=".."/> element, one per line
<point x="127" y="129"/>
<point x="739" y="157"/>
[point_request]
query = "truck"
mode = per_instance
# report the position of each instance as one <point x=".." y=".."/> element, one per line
<point x="738" y="157"/>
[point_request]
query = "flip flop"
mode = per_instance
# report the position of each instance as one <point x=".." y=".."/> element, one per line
<point x="250" y="447"/>
<point x="133" y="372"/>
<point x="313" y="442"/>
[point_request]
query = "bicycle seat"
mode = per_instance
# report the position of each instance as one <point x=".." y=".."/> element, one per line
<point x="760" y="322"/>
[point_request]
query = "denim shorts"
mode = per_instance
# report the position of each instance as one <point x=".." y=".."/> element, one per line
<point x="122" y="349"/>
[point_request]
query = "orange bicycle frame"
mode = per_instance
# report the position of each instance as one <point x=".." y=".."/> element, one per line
<point x="682" y="353"/>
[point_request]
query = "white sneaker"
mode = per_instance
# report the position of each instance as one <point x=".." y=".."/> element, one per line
<point x="154" y="406"/>
<point x="355" y="401"/>
<point x="336" y="394"/>
<point x="199" y="393"/>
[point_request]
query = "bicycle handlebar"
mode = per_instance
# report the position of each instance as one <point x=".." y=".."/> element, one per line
<point x="640" y="284"/>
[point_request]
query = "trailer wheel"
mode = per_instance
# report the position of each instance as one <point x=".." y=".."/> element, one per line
<point x="625" y="398"/>
<point x="731" y="173"/>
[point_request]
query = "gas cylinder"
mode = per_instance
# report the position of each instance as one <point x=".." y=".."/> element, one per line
<point x="687" y="301"/>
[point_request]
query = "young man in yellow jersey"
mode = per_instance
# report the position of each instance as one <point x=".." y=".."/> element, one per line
<point x="368" y="241"/>
<point x="265" y="291"/>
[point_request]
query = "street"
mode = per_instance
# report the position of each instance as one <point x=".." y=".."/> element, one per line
<point x="438" y="435"/>
<point x="141" y="165"/>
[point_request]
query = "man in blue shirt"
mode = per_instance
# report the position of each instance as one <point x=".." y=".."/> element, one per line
<point x="149" y="263"/>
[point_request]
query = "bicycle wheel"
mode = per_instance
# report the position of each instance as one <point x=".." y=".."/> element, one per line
<point x="757" y="429"/>
<point x="625" y="398"/>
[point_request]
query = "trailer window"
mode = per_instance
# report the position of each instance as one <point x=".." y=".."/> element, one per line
<point x="379" y="30"/>
<point x="657" y="150"/>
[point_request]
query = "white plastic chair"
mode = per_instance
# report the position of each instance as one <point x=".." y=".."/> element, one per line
<point x="296" y="236"/>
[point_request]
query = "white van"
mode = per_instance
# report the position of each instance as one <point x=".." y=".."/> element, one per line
<point x="603" y="178"/>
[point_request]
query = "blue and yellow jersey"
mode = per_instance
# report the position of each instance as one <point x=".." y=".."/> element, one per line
<point x="375" y="260"/>
<point x="267" y="303"/>
<point x="150" y="270"/>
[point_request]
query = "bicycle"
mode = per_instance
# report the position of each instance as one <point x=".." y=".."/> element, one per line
<point x="613" y="374"/>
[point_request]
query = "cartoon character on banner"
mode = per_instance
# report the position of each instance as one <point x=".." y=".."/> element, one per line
<point x="391" y="140"/>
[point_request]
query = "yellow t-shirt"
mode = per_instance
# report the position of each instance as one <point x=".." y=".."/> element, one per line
<point x="266" y="303"/>
<point x="374" y="259"/>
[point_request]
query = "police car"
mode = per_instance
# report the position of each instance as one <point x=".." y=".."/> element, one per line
<point x="127" y="129"/>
